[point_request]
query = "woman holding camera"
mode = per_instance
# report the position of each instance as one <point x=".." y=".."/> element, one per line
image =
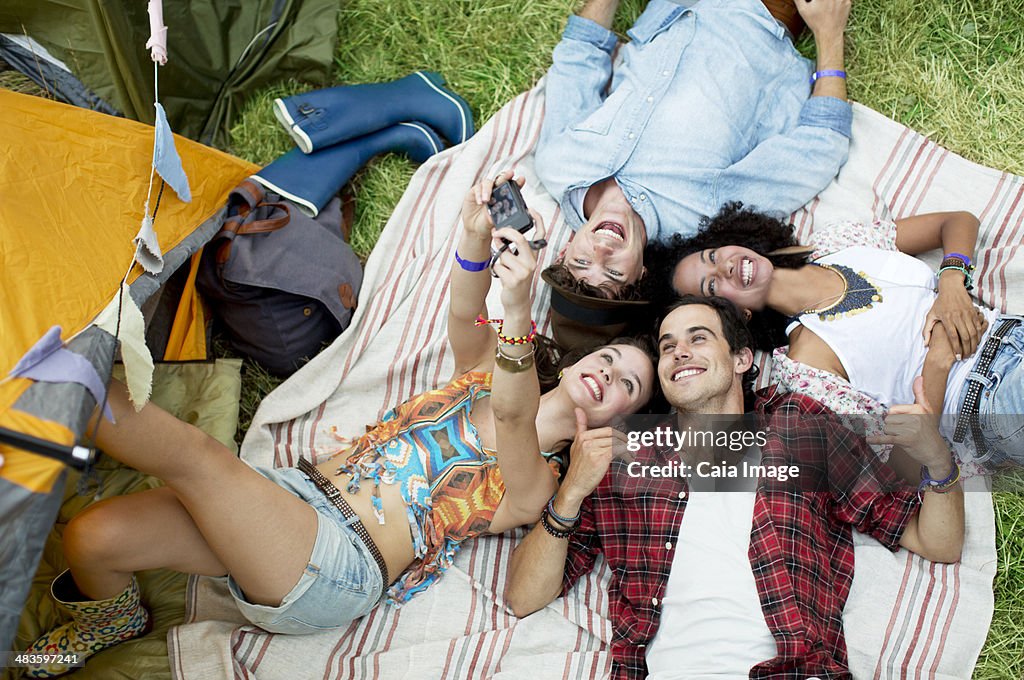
<point x="316" y="546"/>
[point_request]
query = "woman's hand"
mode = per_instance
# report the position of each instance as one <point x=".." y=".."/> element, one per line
<point x="590" y="456"/>
<point x="476" y="220"/>
<point x="963" y="323"/>
<point x="515" y="266"/>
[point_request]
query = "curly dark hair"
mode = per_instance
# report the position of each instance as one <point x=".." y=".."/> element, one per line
<point x="733" y="225"/>
<point x="564" y="277"/>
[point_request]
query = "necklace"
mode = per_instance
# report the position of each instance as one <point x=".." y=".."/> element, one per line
<point x="859" y="294"/>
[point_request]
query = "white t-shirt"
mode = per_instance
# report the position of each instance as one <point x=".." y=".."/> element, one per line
<point x="882" y="349"/>
<point x="712" y="625"/>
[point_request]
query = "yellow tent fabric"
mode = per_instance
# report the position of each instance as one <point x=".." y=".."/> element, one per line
<point x="73" y="185"/>
<point x="187" y="340"/>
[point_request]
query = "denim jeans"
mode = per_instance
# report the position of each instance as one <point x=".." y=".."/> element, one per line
<point x="1001" y="407"/>
<point x="341" y="582"/>
<point x="708" y="103"/>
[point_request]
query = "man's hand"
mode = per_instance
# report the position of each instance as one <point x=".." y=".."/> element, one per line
<point x="914" y="428"/>
<point x="826" y="18"/>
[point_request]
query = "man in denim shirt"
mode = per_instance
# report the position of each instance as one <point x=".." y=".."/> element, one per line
<point x="708" y="104"/>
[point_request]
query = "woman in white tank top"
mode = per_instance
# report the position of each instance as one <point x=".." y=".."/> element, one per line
<point x="861" y="315"/>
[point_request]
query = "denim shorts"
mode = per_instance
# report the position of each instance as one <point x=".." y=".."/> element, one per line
<point x="1001" y="407"/>
<point x="341" y="582"/>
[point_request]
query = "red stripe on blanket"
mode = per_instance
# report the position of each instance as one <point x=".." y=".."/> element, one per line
<point x="914" y="177"/>
<point x="289" y="458"/>
<point x="921" y="613"/>
<point x="949" y="620"/>
<point x="986" y="283"/>
<point x="337" y="657"/>
<point x="473" y="591"/>
<point x="895" y="613"/>
<point x="940" y="612"/>
<point x="570" y="655"/>
<point x="238" y="636"/>
<point x="508" y="643"/>
<point x="366" y="624"/>
<point x="268" y="638"/>
<point x="501" y="558"/>
<point x="876" y="186"/>
<point x="1006" y="255"/>
<point x="909" y="175"/>
<point x="387" y="640"/>
<point x="312" y="432"/>
<point x="931" y="178"/>
<point x="398" y="363"/>
<point x="448" y="659"/>
<point x="404" y="252"/>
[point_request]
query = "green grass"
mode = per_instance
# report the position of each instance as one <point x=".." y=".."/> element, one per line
<point x="951" y="70"/>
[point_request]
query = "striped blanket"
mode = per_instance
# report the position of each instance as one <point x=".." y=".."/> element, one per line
<point x="905" y="616"/>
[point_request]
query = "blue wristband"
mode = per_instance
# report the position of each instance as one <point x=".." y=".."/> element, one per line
<point x="967" y="260"/>
<point x="470" y="265"/>
<point x="828" y="72"/>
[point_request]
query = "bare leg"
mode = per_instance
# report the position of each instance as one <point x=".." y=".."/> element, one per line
<point x="261" y="533"/>
<point x="113" y="539"/>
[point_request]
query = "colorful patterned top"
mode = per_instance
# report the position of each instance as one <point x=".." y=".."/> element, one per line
<point x="450" y="483"/>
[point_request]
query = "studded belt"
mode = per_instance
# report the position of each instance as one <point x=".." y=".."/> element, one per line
<point x="334" y="496"/>
<point x="968" y="417"/>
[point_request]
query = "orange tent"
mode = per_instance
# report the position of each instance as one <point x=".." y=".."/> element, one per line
<point x="73" y="184"/>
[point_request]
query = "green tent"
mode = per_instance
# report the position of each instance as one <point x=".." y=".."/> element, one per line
<point x="219" y="52"/>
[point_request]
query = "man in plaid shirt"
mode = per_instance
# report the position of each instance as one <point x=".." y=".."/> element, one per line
<point x="768" y="605"/>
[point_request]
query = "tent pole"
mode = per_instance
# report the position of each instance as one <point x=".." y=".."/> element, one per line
<point x="76" y="456"/>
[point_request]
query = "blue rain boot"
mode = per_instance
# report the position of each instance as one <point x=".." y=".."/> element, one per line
<point x="311" y="180"/>
<point x="322" y="118"/>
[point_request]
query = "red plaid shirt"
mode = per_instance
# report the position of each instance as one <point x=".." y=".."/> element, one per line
<point x="801" y="546"/>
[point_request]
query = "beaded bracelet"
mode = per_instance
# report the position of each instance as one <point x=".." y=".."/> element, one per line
<point x="966" y="271"/>
<point x="939" y="485"/>
<point x="545" y="521"/>
<point x="504" y="339"/>
<point x="566" y="521"/>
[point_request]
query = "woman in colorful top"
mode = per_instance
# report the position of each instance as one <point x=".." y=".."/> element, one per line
<point x="862" y="317"/>
<point x="312" y="548"/>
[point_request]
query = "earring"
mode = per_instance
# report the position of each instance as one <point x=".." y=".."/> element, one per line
<point x="560" y="375"/>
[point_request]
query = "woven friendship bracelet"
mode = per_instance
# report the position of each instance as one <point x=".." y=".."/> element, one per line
<point x="504" y="339"/>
